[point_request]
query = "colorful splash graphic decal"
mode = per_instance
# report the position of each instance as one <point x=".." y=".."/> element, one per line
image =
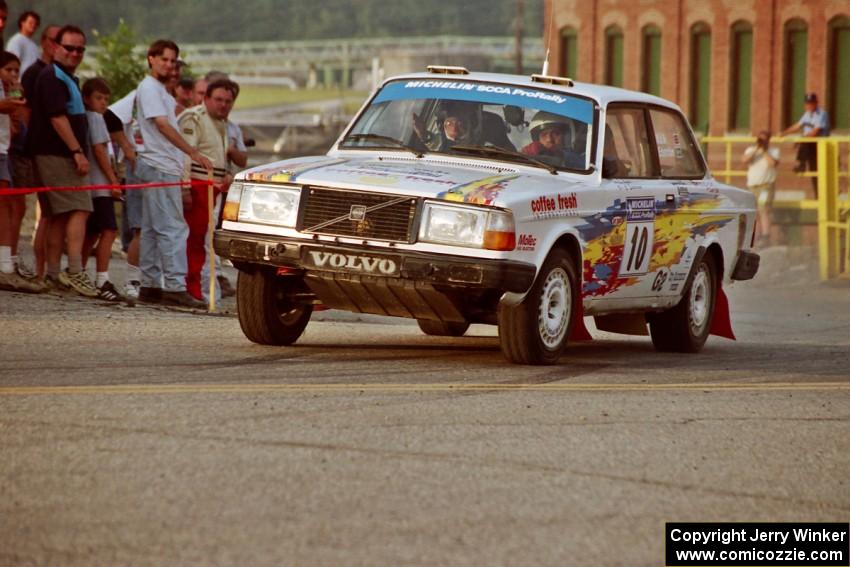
<point x="482" y="192"/>
<point x="606" y="240"/>
<point x="291" y="171"/>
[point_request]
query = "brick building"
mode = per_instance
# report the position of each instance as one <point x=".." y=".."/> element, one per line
<point x="732" y="65"/>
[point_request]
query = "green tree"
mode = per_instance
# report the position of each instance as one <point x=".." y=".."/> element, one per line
<point x="118" y="61"/>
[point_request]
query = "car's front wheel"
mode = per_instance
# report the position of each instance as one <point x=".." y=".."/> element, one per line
<point x="536" y="330"/>
<point x="268" y="313"/>
<point x="442" y="328"/>
<point x="685" y="327"/>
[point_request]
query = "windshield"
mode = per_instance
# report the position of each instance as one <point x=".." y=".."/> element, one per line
<point x="435" y="115"/>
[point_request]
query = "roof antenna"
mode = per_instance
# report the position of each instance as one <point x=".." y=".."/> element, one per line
<point x="548" y="38"/>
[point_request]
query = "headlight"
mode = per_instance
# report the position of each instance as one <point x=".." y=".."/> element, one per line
<point x="269" y="204"/>
<point x="467" y="226"/>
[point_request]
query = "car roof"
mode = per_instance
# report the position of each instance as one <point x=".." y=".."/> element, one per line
<point x="602" y="94"/>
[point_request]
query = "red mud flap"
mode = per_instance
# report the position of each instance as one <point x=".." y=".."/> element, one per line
<point x="580" y="332"/>
<point x="721" y="322"/>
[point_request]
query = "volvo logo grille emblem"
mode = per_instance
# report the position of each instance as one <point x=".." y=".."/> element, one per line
<point x="357" y="213"/>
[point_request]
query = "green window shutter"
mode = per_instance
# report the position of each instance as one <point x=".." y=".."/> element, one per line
<point x="569" y="53"/>
<point x="839" y="99"/>
<point x="742" y="73"/>
<point x="651" y="72"/>
<point x="614" y="57"/>
<point x="796" y="54"/>
<point x="701" y="78"/>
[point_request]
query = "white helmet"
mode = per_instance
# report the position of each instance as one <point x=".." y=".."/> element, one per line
<point x="543" y="119"/>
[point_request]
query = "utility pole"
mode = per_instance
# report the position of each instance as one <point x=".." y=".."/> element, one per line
<point x="518" y="29"/>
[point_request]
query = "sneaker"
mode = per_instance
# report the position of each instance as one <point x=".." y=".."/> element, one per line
<point x="53" y="284"/>
<point x="79" y="282"/>
<point x="14" y="282"/>
<point x="150" y="294"/>
<point x="227" y="290"/>
<point x="108" y="292"/>
<point x="24" y="271"/>
<point x="182" y="299"/>
<point x="131" y="292"/>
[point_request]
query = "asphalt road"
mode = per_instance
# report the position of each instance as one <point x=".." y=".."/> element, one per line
<point x="152" y="437"/>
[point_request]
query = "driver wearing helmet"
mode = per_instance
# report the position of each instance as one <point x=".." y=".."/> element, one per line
<point x="456" y="124"/>
<point x="548" y="132"/>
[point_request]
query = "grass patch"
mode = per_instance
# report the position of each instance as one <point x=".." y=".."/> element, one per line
<point x="258" y="96"/>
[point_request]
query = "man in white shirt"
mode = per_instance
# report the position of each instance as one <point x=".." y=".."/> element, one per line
<point x="761" y="160"/>
<point x="164" y="231"/>
<point x="22" y="44"/>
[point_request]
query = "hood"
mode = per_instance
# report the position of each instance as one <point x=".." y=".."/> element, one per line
<point x="440" y="177"/>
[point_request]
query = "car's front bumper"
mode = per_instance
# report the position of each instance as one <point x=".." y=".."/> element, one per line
<point x="352" y="262"/>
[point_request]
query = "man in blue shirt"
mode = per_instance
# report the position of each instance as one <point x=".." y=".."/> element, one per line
<point x="813" y="123"/>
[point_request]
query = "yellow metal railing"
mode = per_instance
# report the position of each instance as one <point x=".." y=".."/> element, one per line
<point x="833" y="211"/>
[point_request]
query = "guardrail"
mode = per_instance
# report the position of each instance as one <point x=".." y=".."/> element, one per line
<point x="832" y="206"/>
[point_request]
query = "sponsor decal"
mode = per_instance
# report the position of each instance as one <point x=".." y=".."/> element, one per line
<point x="676" y="235"/>
<point x="353" y="262"/>
<point x="481" y="192"/>
<point x="555" y="206"/>
<point x="290" y="171"/>
<point x="526" y="243"/>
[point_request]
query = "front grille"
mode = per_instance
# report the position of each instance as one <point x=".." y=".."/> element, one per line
<point x="330" y="211"/>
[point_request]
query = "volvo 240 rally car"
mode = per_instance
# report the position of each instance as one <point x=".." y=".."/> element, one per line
<point x="523" y="202"/>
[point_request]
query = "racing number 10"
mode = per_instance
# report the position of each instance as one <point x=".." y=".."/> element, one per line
<point x="636" y="256"/>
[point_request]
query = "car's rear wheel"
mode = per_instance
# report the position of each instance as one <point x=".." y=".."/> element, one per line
<point x="685" y="327"/>
<point x="442" y="328"/>
<point x="536" y="330"/>
<point x="268" y="313"/>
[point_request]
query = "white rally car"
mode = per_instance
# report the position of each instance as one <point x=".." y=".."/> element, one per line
<point x="523" y="202"/>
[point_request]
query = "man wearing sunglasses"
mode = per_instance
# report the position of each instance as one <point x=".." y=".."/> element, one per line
<point x="59" y="133"/>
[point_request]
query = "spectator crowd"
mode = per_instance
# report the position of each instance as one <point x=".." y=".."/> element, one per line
<point x="171" y="132"/>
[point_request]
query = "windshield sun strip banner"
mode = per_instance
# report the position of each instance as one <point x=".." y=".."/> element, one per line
<point x="489" y="93"/>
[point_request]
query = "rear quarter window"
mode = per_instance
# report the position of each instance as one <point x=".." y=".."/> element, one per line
<point x="678" y="153"/>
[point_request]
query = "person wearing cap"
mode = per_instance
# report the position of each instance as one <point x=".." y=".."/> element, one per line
<point x="813" y="123"/>
<point x="548" y="135"/>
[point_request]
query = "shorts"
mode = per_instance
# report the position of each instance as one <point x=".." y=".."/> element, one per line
<point x="5" y="173"/>
<point x="764" y="194"/>
<point x="23" y="171"/>
<point x="103" y="216"/>
<point x="58" y="171"/>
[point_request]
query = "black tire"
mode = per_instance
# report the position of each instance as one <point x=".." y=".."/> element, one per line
<point x="442" y="328"/>
<point x="536" y="331"/>
<point x="267" y="315"/>
<point x="685" y="327"/>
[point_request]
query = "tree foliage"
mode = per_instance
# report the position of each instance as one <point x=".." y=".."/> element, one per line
<point x="215" y="21"/>
<point x="118" y="61"/>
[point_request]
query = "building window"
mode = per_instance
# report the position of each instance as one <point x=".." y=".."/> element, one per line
<point x="740" y="81"/>
<point x="569" y="53"/>
<point x="700" y="76"/>
<point x="839" y="72"/>
<point x="796" y="50"/>
<point x="614" y="56"/>
<point x="651" y="60"/>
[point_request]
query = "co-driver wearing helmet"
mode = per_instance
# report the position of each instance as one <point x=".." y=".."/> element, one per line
<point x="548" y="134"/>
<point x="455" y="126"/>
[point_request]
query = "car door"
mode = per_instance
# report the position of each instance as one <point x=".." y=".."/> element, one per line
<point x="622" y="274"/>
<point x="681" y="227"/>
